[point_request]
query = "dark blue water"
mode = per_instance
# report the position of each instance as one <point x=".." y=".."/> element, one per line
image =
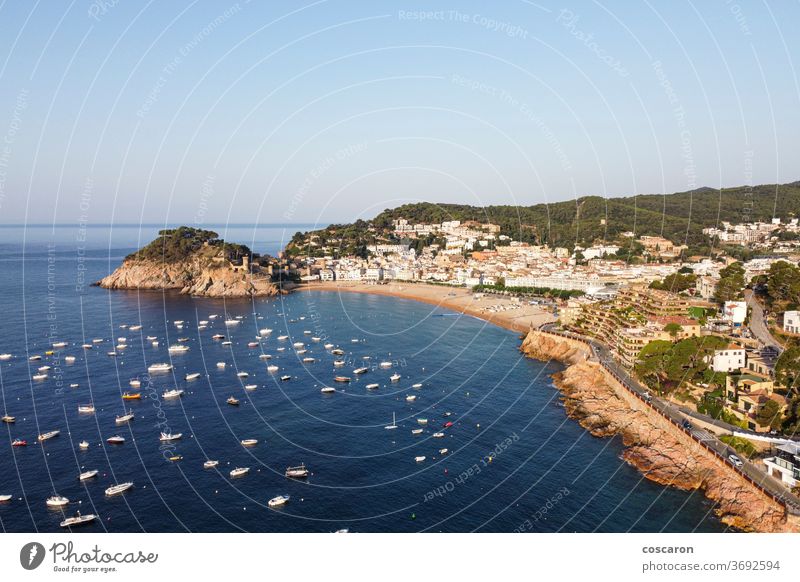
<point x="545" y="472"/>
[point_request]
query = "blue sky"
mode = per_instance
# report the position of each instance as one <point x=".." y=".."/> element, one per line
<point x="209" y="112"/>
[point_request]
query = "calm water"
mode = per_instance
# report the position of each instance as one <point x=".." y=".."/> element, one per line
<point x="550" y="472"/>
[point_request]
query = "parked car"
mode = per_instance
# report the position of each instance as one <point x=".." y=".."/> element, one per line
<point x="737" y="462"/>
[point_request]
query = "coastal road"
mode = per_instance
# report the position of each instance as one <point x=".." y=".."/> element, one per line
<point x="602" y="354"/>
<point x="758" y="323"/>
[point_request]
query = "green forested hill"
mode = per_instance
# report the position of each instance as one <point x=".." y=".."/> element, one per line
<point x="680" y="216"/>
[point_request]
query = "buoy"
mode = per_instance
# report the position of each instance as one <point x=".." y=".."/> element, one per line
<point x="413" y="516"/>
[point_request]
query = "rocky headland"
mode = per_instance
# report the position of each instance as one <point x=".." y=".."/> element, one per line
<point x="193" y="262"/>
<point x="656" y="447"/>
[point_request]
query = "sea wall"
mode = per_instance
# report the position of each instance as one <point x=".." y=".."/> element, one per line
<point x="661" y="451"/>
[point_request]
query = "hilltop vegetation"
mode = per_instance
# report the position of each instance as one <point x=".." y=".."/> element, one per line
<point x="679" y="217"/>
<point x="178" y="244"/>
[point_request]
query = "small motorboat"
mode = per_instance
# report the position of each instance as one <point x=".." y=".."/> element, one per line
<point x="316" y="339"/>
<point x="231" y="322"/>
<point x="78" y="519"/>
<point x="233" y="401"/>
<point x="395" y="377"/>
<point x="4" y="498"/>
<point x="193" y="376"/>
<point x="416" y="431"/>
<point x="117" y="489"/>
<point x="227" y="343"/>
<point x="83" y="445"/>
<point x="183" y="340"/>
<point x="123" y="418"/>
<point x="448" y="424"/>
<point x="249" y="442"/>
<point x="416" y="386"/>
<point x="87" y="475"/>
<point x="97" y="340"/>
<point x="39" y="377"/>
<point x="8" y="419"/>
<point x="87" y="346"/>
<point x="422" y="421"/>
<point x="242" y="374"/>
<point x="131" y="396"/>
<point x="19" y="443"/>
<point x="328" y="390"/>
<point x="438" y="435"/>
<point x="253" y="344"/>
<point x="265" y="331"/>
<point x="74" y="385"/>
<point x="373" y="386"/>
<point x="70" y="359"/>
<point x="278" y="501"/>
<point x="156" y="368"/>
<point x="5" y="357"/>
<point x="221" y="365"/>
<point x="60" y="344"/>
<point x="420" y="458"/>
<point x="135" y="327"/>
<point x="250" y="386"/>
<point x="328" y="346"/>
<point x="285" y="378"/>
<point x="43" y="368"/>
<point x="272" y="368"/>
<point x="49" y="435"/>
<point x="178" y="349"/>
<point x="298" y="344"/>
<point x="174" y="393"/>
<point x="175" y="458"/>
<point x="239" y="471"/>
<point x="217" y="336"/>
<point x="265" y="357"/>
<point x="443" y="451"/>
<point x="86" y="408"/>
<point x="411" y="398"/>
<point x="210" y="464"/>
<point x="282" y="338"/>
<point x="338" y="363"/>
<point x="34" y="358"/>
<point x="111" y="354"/>
<point x="168" y="436"/>
<point x="116" y="440"/>
<point x="298" y="472"/>
<point x="342" y="379"/>
<point x="57" y="501"/>
<point x="385" y="364"/>
<point x="337" y="352"/>
<point x="359" y="371"/>
<point x="308" y="360"/>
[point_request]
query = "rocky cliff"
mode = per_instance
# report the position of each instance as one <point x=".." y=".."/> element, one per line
<point x="194" y="276"/>
<point x="661" y="451"/>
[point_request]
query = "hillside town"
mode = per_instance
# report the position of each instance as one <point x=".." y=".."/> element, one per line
<point x="715" y="335"/>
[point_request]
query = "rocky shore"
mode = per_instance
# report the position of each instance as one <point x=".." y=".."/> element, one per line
<point x="194" y="276"/>
<point x="662" y="452"/>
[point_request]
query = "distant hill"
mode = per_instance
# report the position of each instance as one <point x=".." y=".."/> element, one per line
<point x="679" y="217"/>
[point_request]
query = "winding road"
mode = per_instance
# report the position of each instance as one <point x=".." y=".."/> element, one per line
<point x="758" y="323"/>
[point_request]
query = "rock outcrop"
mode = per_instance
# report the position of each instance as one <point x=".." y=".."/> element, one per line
<point x="661" y="451"/>
<point x="191" y="277"/>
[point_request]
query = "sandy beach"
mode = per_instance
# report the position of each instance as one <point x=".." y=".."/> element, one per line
<point x="496" y="309"/>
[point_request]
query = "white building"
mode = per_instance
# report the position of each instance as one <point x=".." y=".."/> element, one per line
<point x="791" y="321"/>
<point x="735" y="312"/>
<point x="730" y="359"/>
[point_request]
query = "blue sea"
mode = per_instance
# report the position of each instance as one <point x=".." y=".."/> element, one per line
<point x="514" y="462"/>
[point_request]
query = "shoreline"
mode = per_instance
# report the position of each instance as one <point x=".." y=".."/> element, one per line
<point x="495" y="309"/>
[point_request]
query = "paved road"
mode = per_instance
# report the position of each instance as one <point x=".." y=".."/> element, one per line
<point x="601" y="353"/>
<point x="758" y="324"/>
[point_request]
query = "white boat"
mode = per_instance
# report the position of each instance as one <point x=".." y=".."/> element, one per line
<point x="123" y="418"/>
<point x="308" y="360"/>
<point x="338" y="363"/>
<point x="210" y="464"/>
<point x="422" y="421"/>
<point x="217" y="336"/>
<point x="393" y="425"/>
<point x="86" y="408"/>
<point x="239" y="471"/>
<point x="328" y="390"/>
<point x="395" y="377"/>
<point x="174" y="393"/>
<point x="44" y="368"/>
<point x="168" y="436"/>
<point x="373" y="386"/>
<point x="120" y="346"/>
<point x="242" y="374"/>
<point x="122" y="340"/>
<point x="265" y="331"/>
<point x="70" y="359"/>
<point x="5" y="357"/>
<point x="363" y="370"/>
<point x="135" y="383"/>
<point x="328" y="346"/>
<point x="48" y="435"/>
<point x="155" y="368"/>
<point x="60" y="344"/>
<point x="178" y="349"/>
<point x="443" y="451"/>
<point x="354" y="341"/>
<point x="301" y="352"/>
<point x="117" y="489"/>
<point x="39" y="377"/>
<point x="4" y="498"/>
<point x="57" y="501"/>
<point x="221" y="365"/>
<point x="416" y="386"/>
<point x="151" y="338"/>
<point x="34" y="358"/>
<point x="316" y="339"/>
<point x="272" y="368"/>
<point x="135" y="327"/>
<point x="178" y="322"/>
<point x="111" y="354"/>
<point x="116" y="440"/>
<point x="285" y="378"/>
<point x="282" y="338"/>
<point x="87" y="346"/>
<point x="306" y="332"/>
<point x="97" y="340"/>
<point x="83" y="445"/>
<point x="249" y="442"/>
<point x="202" y="322"/>
<point x="253" y="344"/>
<point x="231" y="322"/>
<point x="264" y="357"/>
<point x="298" y="344"/>
<point x="385" y="364"/>
<point x="298" y="472"/>
<point x="250" y="386"/>
<point x="74" y="385"/>
<point x="192" y="376"/>
<point x="411" y="398"/>
<point x="78" y="519"/>
<point x="337" y="352"/>
<point x="416" y="431"/>
<point x="420" y="458"/>
<point x="87" y="475"/>
<point x="278" y="501"/>
<point x="226" y="343"/>
<point x="213" y="316"/>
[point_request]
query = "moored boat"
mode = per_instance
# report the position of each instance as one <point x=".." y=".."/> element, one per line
<point x="131" y="396"/>
<point x="49" y="435"/>
<point x="19" y="443"/>
<point x="174" y="393"/>
<point x="116" y="440"/>
<point x="125" y="417"/>
<point x="278" y="501"/>
<point x="210" y="464"/>
<point x="57" y="501"/>
<point x="249" y="442"/>
<point x="161" y="367"/>
<point x="87" y="475"/>
<point x="168" y="436"/>
<point x="119" y="488"/>
<point x="78" y="519"/>
<point x="298" y="472"/>
<point x="328" y="390"/>
<point x="233" y="401"/>
<point x="239" y="471"/>
<point x="192" y="376"/>
<point x="342" y="379"/>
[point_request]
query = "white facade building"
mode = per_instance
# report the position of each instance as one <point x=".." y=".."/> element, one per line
<point x="791" y="321"/>
<point x="729" y="360"/>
